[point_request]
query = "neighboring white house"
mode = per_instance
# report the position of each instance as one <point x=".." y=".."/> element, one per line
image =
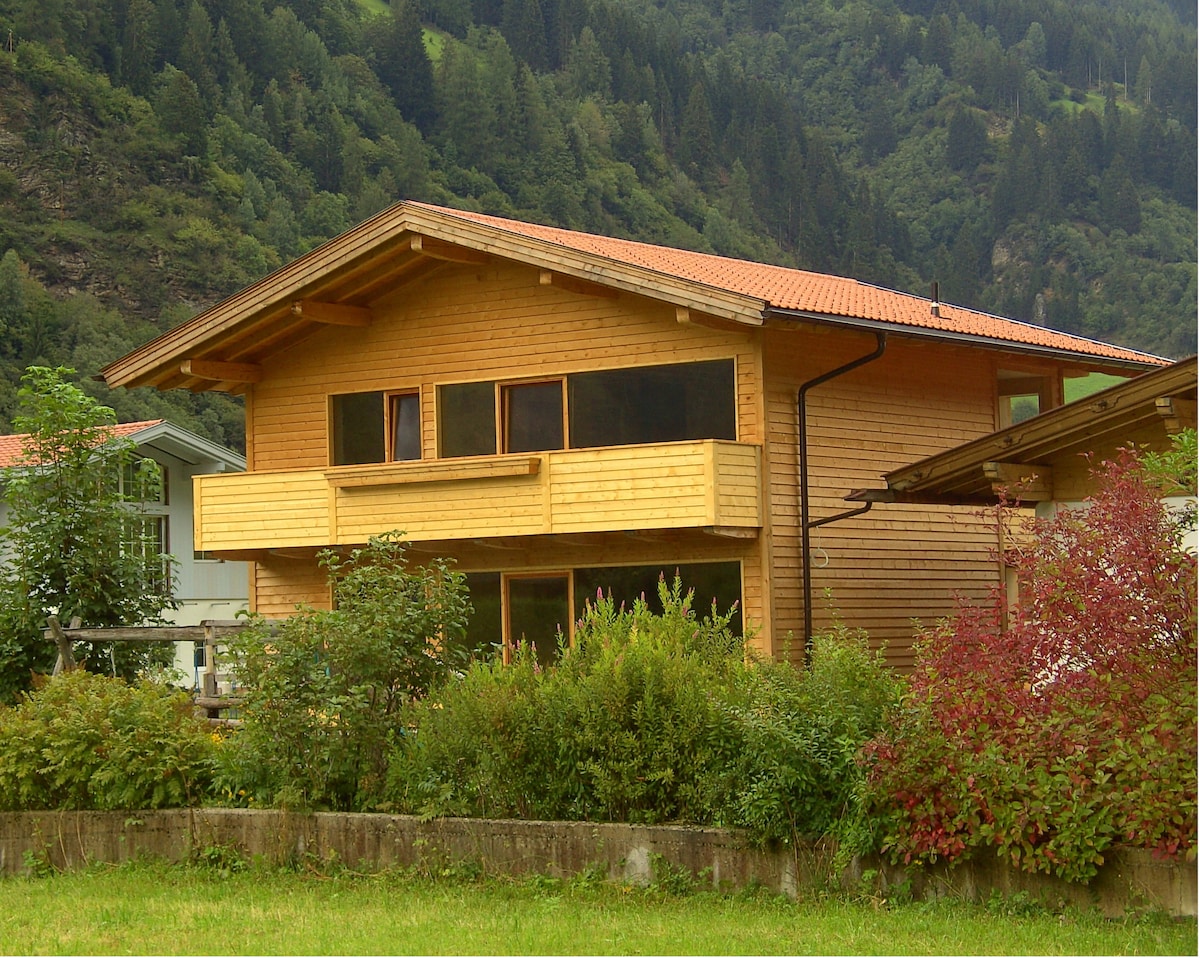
<point x="205" y="588"/>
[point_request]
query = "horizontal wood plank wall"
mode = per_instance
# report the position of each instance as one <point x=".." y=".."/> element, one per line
<point x="899" y="562"/>
<point x="482" y="323"/>
<point x="1073" y="472"/>
<point x="281" y="582"/>
<point x="469" y="324"/>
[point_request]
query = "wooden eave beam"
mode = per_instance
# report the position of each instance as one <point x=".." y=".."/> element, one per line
<point x="450" y="252"/>
<point x="1177" y="414"/>
<point x="573" y="284"/>
<point x="221" y="372"/>
<point x="1028" y="481"/>
<point x="333" y="314"/>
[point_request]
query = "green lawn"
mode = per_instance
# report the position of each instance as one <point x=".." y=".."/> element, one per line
<point x="175" y="910"/>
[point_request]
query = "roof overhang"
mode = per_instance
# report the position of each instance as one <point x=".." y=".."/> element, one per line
<point x="975" y="471"/>
<point x="185" y="445"/>
<point x="967" y="339"/>
<point x="337" y="283"/>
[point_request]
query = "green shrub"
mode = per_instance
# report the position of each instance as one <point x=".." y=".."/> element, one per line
<point x="87" y="741"/>
<point x="649" y="718"/>
<point x="324" y="694"/>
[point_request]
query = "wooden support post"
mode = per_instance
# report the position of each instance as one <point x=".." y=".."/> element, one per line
<point x="66" y="657"/>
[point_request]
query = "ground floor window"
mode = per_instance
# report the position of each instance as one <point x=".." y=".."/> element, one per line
<point x="512" y="607"/>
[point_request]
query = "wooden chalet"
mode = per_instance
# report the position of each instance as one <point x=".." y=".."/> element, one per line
<point x="561" y="412"/>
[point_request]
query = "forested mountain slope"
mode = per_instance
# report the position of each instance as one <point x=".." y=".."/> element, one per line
<point x="1035" y="157"/>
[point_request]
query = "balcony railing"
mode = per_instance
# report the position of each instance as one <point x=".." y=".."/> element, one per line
<point x="708" y="484"/>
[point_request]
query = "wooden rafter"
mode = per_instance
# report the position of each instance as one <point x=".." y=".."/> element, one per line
<point x="573" y="284"/>
<point x="222" y="372"/>
<point x="451" y="252"/>
<point x="333" y="314"/>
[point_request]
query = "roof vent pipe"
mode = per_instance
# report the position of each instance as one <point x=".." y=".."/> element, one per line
<point x="935" y="306"/>
<point x="807" y="525"/>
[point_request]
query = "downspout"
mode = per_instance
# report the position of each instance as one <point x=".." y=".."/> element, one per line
<point x="807" y="525"/>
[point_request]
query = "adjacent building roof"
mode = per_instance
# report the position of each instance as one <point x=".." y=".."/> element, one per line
<point x="149" y="434"/>
<point x="338" y="282"/>
<point x="1165" y="397"/>
<point x="12" y="448"/>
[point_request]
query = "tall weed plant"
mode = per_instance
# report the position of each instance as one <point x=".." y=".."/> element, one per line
<point x="648" y="718"/>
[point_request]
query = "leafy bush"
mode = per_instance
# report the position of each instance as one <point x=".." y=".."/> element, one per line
<point x="1072" y="725"/>
<point x="648" y="718"/>
<point x="86" y="741"/>
<point x="324" y="694"/>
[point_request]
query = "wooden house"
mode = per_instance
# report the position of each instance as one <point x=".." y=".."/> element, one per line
<point x="561" y="412"/>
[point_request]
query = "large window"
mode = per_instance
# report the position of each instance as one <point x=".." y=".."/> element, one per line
<point x="374" y="427"/>
<point x="536" y="607"/>
<point x="467" y="419"/>
<point x="712" y="582"/>
<point x="539" y="611"/>
<point x="616" y="407"/>
<point x="533" y="416"/>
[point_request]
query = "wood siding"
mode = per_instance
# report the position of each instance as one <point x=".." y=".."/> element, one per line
<point x="702" y="484"/>
<point x="474" y="324"/>
<point x="898" y="563"/>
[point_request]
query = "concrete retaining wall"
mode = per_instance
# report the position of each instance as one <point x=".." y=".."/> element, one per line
<point x="1130" y="878"/>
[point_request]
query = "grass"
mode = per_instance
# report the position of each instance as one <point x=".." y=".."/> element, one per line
<point x="178" y="910"/>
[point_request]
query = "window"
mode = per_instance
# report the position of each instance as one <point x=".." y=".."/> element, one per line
<point x="539" y="609"/>
<point x="357" y="433"/>
<point x="146" y="537"/>
<point x="467" y="419"/>
<point x="712" y="581"/>
<point x="485" y="628"/>
<point x="536" y="607"/>
<point x="144" y="480"/>
<point x="405" y="410"/>
<point x="648" y="404"/>
<point x="613" y="407"/>
<point x="374" y="427"/>
<point x="533" y="416"/>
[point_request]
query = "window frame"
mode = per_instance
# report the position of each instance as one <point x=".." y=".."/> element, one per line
<point x="509" y="643"/>
<point x="503" y="411"/>
<point x="390" y="398"/>
<point x="387" y="399"/>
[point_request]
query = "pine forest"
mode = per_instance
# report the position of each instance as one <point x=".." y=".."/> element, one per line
<point x="1035" y="158"/>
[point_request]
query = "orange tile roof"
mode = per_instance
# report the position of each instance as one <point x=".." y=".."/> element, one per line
<point x="803" y="291"/>
<point x="12" y="447"/>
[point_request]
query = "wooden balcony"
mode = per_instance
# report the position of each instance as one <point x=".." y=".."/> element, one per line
<point x="706" y="484"/>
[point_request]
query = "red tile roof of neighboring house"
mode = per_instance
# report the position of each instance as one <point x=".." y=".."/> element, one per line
<point x="802" y="291"/>
<point x="12" y="447"/>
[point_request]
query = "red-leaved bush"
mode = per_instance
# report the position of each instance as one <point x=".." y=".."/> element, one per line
<point x="1052" y="731"/>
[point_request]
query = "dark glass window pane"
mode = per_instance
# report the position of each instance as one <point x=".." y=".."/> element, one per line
<point x="721" y="581"/>
<point x="406" y="427"/>
<point x="533" y="417"/>
<point x="652" y="404"/>
<point x="537" y="611"/>
<point x="467" y="419"/>
<point x="358" y="433"/>
<point x="485" y="628"/>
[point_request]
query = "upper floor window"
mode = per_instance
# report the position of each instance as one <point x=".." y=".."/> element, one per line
<point x="615" y="407"/>
<point x="375" y="427"/>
